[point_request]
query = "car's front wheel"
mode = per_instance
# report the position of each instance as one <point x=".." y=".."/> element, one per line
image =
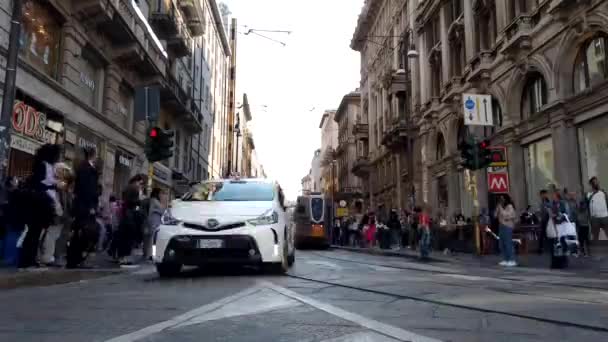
<point x="279" y="267"/>
<point x="167" y="270"/>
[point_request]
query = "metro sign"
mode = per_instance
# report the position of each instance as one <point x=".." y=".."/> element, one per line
<point x="498" y="183"/>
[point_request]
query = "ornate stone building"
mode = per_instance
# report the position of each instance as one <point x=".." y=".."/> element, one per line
<point x="542" y="61"/>
<point x="383" y="133"/>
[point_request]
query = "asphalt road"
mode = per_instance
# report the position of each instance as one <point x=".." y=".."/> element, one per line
<point x="328" y="296"/>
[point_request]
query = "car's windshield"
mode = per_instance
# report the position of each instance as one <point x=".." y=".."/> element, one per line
<point x="230" y="191"/>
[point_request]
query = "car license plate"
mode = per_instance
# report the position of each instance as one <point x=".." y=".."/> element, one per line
<point x="317" y="230"/>
<point x="210" y="243"/>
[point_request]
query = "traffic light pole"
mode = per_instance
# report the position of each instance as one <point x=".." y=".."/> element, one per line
<point x="150" y="164"/>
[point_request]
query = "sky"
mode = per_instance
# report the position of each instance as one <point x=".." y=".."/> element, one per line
<point x="296" y="82"/>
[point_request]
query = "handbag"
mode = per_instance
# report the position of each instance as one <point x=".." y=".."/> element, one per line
<point x="550" y="229"/>
<point x="566" y="228"/>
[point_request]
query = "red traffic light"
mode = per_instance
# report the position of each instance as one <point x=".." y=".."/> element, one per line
<point x="484" y="144"/>
<point x="153" y="133"/>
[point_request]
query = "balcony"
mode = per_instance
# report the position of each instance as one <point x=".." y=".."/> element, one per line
<point x="179" y="102"/>
<point x="94" y="11"/>
<point x="361" y="131"/>
<point x="181" y="43"/>
<point x="165" y="19"/>
<point x="395" y="136"/>
<point x="518" y="36"/>
<point x="194" y="17"/>
<point x="361" y="167"/>
<point x="132" y="44"/>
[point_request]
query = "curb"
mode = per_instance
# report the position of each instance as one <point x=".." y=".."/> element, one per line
<point x="15" y="280"/>
<point x="385" y="253"/>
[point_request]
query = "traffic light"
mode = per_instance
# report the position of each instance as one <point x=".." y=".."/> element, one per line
<point x="469" y="154"/>
<point x="159" y="144"/>
<point x="485" y="154"/>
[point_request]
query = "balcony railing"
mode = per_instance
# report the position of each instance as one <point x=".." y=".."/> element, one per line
<point x="361" y="166"/>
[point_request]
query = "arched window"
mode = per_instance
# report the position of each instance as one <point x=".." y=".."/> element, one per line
<point x="440" y="146"/>
<point x="534" y="96"/>
<point x="590" y="67"/>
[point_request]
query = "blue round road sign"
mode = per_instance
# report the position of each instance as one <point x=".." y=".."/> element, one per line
<point x="469" y="104"/>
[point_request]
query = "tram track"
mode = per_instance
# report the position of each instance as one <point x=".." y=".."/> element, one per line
<point x="517" y="280"/>
<point x="558" y="322"/>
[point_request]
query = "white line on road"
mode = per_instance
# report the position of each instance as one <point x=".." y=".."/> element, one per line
<point x="384" y="329"/>
<point x="168" y="324"/>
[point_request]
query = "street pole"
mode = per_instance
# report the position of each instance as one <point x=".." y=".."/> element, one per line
<point x="9" y="92"/>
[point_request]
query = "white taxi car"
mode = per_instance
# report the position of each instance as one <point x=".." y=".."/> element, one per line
<point x="242" y="221"/>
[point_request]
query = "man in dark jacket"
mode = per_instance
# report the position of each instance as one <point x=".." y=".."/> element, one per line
<point x="85" y="203"/>
<point x="131" y="224"/>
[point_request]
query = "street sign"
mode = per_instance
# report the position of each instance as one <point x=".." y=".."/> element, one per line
<point x="498" y="156"/>
<point x="498" y="183"/>
<point x="341" y="212"/>
<point x="477" y="110"/>
<point x="342" y="203"/>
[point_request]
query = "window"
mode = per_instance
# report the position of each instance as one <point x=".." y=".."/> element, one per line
<point x="436" y="80"/>
<point x="230" y="191"/>
<point x="440" y="147"/>
<point x="91" y="78"/>
<point x="455" y="9"/>
<point x="176" y="151"/>
<point x="538" y="159"/>
<point x="497" y="119"/>
<point x="534" y="96"/>
<point x="590" y="67"/>
<point x="40" y="37"/>
<point x="125" y="105"/>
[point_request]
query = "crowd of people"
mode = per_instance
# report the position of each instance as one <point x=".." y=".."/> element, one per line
<point x="57" y="216"/>
<point x="587" y="214"/>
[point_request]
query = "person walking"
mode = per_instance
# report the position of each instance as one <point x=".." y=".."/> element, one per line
<point x="154" y="220"/>
<point x="85" y="205"/>
<point x="544" y="215"/>
<point x="598" y="209"/>
<point x="53" y="232"/>
<point x="394" y="226"/>
<point x="43" y="201"/>
<point x="582" y="226"/>
<point x="424" y="229"/>
<point x="506" y="215"/>
<point x="131" y="219"/>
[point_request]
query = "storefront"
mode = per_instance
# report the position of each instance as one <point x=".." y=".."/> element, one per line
<point x="32" y="125"/>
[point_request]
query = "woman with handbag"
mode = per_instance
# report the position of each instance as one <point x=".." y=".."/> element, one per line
<point x="506" y="215"/>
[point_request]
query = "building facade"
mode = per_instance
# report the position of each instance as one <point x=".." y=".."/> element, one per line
<point x="382" y="160"/>
<point x="349" y="186"/>
<point x="542" y="62"/>
<point x="329" y="143"/>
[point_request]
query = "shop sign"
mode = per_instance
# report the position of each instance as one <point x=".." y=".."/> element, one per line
<point x="26" y="120"/>
<point x="84" y="143"/>
<point x="86" y="139"/>
<point x="125" y="160"/>
<point x="24" y="144"/>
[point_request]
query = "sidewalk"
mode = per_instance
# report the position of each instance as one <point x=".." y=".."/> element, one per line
<point x="596" y="264"/>
<point x="101" y="266"/>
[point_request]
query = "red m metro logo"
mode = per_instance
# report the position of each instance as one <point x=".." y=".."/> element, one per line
<point x="498" y="182"/>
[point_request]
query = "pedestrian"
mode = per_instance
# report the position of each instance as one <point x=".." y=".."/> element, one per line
<point x="60" y="179"/>
<point x="154" y="219"/>
<point x="582" y="226"/>
<point x="114" y="207"/>
<point x="43" y="201"/>
<point x="559" y="257"/>
<point x="414" y="234"/>
<point x="598" y="209"/>
<point x="85" y="206"/>
<point x="14" y="218"/>
<point x="370" y="231"/>
<point x="395" y="229"/>
<point x="424" y="228"/>
<point x="65" y="175"/>
<point x="544" y="210"/>
<point x="506" y="215"/>
<point x="131" y="222"/>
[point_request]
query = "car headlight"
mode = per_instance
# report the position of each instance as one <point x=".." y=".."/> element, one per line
<point x="267" y="218"/>
<point x="168" y="220"/>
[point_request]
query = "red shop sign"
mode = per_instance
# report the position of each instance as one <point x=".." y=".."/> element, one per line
<point x="27" y="121"/>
